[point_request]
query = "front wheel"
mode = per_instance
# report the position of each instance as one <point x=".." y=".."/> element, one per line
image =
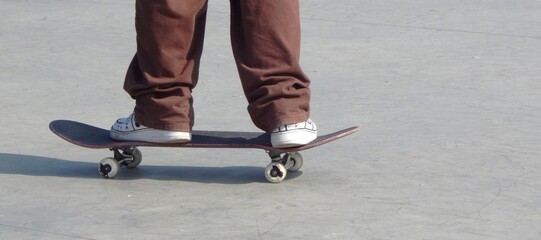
<point x="293" y="160"/>
<point x="137" y="158"/>
<point x="275" y="172"/>
<point x="108" y="167"/>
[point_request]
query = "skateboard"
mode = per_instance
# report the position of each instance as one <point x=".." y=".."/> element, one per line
<point x="127" y="153"/>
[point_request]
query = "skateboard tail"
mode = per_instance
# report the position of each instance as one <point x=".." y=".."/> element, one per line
<point x="75" y="133"/>
<point x="322" y="140"/>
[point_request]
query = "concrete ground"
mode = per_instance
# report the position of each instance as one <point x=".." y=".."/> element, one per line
<point x="448" y="94"/>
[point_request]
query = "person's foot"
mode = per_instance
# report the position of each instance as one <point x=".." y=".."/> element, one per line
<point x="292" y="135"/>
<point x="128" y="129"/>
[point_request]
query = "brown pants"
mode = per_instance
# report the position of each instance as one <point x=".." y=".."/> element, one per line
<point x="265" y="36"/>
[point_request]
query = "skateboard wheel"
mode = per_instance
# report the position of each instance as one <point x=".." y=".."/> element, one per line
<point x="137" y="157"/>
<point x="275" y="172"/>
<point x="108" y="167"/>
<point x="293" y="161"/>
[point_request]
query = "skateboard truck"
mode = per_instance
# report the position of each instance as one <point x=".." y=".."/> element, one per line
<point x="130" y="157"/>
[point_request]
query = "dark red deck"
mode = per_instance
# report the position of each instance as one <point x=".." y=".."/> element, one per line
<point x="93" y="137"/>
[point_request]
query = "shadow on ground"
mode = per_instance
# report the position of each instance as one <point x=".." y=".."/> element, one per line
<point x="42" y="166"/>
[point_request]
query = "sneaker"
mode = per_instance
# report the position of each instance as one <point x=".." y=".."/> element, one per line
<point x="128" y="129"/>
<point x="292" y="135"/>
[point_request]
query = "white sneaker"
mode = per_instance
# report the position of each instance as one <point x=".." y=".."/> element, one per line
<point x="128" y="129"/>
<point x="292" y="135"/>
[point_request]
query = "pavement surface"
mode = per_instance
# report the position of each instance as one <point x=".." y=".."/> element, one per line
<point x="448" y="94"/>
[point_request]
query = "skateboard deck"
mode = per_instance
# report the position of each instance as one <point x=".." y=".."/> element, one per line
<point x="126" y="152"/>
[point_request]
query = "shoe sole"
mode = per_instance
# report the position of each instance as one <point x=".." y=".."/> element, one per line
<point x="152" y="135"/>
<point x="293" y="138"/>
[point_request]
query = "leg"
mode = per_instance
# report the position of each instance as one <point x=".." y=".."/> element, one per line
<point x="266" y="44"/>
<point x="165" y="68"/>
<point x="265" y="36"/>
